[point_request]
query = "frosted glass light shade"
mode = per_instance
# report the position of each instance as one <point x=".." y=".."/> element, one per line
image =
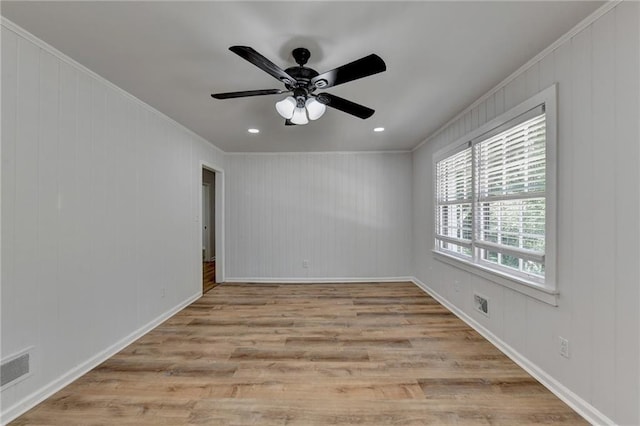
<point x="315" y="108"/>
<point x="299" y="116"/>
<point x="286" y="106"/>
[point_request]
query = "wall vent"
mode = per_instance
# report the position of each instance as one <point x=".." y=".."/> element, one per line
<point x="14" y="369"/>
<point x="481" y="304"/>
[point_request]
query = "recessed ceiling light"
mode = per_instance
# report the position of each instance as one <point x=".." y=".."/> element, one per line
<point x="379" y="129"/>
<point x="253" y="130"/>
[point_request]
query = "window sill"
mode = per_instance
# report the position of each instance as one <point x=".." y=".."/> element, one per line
<point x="518" y="284"/>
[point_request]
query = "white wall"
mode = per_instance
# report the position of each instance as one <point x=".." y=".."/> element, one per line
<point x="100" y="201"/>
<point x="347" y="213"/>
<point x="597" y="74"/>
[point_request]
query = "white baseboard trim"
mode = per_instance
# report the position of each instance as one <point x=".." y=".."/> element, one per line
<point x="45" y="392"/>
<point x="582" y="407"/>
<point x="306" y="280"/>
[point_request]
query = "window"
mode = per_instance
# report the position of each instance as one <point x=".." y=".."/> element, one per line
<point x="494" y="195"/>
<point x="454" y="204"/>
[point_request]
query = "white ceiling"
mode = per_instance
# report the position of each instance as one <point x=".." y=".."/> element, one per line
<point x="440" y="57"/>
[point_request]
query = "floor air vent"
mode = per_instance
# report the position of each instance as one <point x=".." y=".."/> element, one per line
<point x="481" y="304"/>
<point x="14" y="369"/>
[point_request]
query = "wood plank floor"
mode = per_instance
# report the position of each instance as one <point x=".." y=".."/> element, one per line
<point x="320" y="354"/>
<point x="208" y="276"/>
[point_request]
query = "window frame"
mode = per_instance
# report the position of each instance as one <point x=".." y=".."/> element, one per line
<point x="546" y="289"/>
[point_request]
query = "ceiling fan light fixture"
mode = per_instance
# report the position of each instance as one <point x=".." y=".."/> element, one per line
<point x="286" y="107"/>
<point x="315" y="108"/>
<point x="301" y="82"/>
<point x="299" y="116"/>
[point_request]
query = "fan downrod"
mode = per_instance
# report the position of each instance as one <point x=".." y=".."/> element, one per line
<point x="301" y="55"/>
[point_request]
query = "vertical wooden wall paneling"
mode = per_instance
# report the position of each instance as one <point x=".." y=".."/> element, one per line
<point x="474" y="118"/>
<point x="82" y="262"/>
<point x="346" y="213"/>
<point x="25" y="324"/>
<point x="532" y="77"/>
<point x="68" y="202"/>
<point x="127" y="216"/>
<point x="96" y="201"/>
<point x="515" y="92"/>
<point x="603" y="113"/>
<point x="582" y="219"/>
<point x="491" y="108"/>
<point x="112" y="290"/>
<point x="626" y="229"/>
<point x="138" y="135"/>
<point x="9" y="83"/>
<point x="499" y="96"/>
<point x="564" y="188"/>
<point x="467" y="123"/>
<point x="482" y="113"/>
<point x="45" y="256"/>
<point x="327" y="251"/>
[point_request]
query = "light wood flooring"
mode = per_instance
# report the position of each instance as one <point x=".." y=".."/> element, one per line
<point x="320" y="354"/>
<point x="208" y="276"/>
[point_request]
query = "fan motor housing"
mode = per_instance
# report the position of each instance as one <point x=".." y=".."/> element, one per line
<point x="303" y="76"/>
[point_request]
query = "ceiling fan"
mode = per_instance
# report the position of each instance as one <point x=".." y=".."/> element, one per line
<point x="301" y="82"/>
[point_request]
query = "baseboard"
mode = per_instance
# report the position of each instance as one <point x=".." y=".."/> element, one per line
<point x="45" y="392"/>
<point x="307" y="280"/>
<point x="582" y="407"/>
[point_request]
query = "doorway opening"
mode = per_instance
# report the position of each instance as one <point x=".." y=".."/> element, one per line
<point x="209" y="236"/>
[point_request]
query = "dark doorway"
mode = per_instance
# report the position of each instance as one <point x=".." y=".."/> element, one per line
<point x="208" y="230"/>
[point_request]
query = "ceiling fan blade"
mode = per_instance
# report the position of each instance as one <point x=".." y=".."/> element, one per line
<point x="287" y="122"/>
<point x="344" y="105"/>
<point x="360" y="68"/>
<point x="263" y="63"/>
<point x="246" y="93"/>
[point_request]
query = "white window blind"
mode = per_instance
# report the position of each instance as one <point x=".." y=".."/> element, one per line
<point x="491" y="197"/>
<point x="454" y="187"/>
<point x="510" y="170"/>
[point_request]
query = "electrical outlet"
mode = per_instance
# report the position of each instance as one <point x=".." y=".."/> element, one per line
<point x="305" y="263"/>
<point x="564" y="347"/>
